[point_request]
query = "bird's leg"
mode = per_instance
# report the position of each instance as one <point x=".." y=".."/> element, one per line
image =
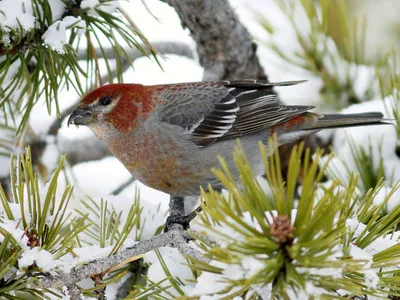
<point x="177" y="214"/>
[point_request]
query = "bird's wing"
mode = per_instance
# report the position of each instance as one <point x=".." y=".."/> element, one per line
<point x="212" y="111"/>
<point x="194" y="105"/>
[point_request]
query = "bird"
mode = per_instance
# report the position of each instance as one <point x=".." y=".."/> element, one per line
<point x="169" y="136"/>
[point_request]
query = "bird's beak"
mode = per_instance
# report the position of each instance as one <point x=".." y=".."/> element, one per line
<point x="80" y="116"/>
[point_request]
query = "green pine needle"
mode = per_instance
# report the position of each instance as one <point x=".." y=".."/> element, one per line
<point x="296" y="239"/>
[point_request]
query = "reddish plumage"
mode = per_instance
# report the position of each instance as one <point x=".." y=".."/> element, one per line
<point x="169" y="136"/>
<point x="133" y="99"/>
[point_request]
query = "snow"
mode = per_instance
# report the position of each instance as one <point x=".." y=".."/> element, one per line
<point x="42" y="258"/>
<point x="57" y="8"/>
<point x="392" y="202"/>
<point x="89" y="4"/>
<point x="51" y="155"/>
<point x="107" y="6"/>
<point x="4" y="162"/>
<point x="17" y="233"/>
<point x="371" y="276"/>
<point x="113" y="288"/>
<point x="56" y="35"/>
<point x="210" y="283"/>
<point x="251" y="265"/>
<point x="330" y="272"/>
<point x="154" y="212"/>
<point x="362" y="77"/>
<point x="370" y="136"/>
<point x="93" y="179"/>
<point x="230" y="233"/>
<point x="16" y="13"/>
<point x="176" y="264"/>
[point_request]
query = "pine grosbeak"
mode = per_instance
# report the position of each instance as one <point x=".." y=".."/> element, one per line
<point x="169" y="136"/>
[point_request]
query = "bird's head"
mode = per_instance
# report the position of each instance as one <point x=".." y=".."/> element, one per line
<point x="112" y="109"/>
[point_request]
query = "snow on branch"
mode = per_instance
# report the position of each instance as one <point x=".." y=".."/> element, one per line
<point x="177" y="238"/>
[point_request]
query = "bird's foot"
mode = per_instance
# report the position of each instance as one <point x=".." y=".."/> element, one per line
<point x="184" y="221"/>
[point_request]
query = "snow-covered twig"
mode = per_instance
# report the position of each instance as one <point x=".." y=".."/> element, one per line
<point x="176" y="238"/>
<point x="205" y="238"/>
<point x="73" y="292"/>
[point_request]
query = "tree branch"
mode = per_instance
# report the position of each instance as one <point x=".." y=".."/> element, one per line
<point x="169" y="47"/>
<point x="176" y="238"/>
<point x="84" y="150"/>
<point x="73" y="292"/>
<point x="225" y="47"/>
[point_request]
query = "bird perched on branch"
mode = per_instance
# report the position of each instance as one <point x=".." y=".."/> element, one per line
<point x="169" y="136"/>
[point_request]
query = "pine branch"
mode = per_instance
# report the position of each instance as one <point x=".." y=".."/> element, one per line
<point x="51" y="66"/>
<point x="73" y="292"/>
<point x="35" y="39"/>
<point x="176" y="238"/>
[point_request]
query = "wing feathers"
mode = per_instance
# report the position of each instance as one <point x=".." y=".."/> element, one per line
<point x="254" y="107"/>
<point x="219" y="121"/>
<point x="225" y="110"/>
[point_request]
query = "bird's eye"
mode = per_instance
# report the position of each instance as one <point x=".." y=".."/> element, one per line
<point x="105" y="100"/>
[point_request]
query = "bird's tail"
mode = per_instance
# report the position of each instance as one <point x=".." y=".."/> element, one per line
<point x="348" y="120"/>
<point x="309" y="122"/>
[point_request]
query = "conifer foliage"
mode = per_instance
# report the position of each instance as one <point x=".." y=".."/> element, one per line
<point x="328" y="229"/>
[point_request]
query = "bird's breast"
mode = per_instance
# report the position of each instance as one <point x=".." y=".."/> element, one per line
<point x="161" y="161"/>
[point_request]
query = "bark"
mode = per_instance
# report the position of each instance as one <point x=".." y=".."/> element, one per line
<point x="73" y="292"/>
<point x="226" y="49"/>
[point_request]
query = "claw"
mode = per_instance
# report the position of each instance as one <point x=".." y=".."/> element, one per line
<point x="184" y="221"/>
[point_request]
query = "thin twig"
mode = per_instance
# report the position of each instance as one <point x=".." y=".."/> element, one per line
<point x="174" y="238"/>
<point x="203" y="237"/>
<point x="73" y="292"/>
<point x="169" y="47"/>
<point x="123" y="186"/>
